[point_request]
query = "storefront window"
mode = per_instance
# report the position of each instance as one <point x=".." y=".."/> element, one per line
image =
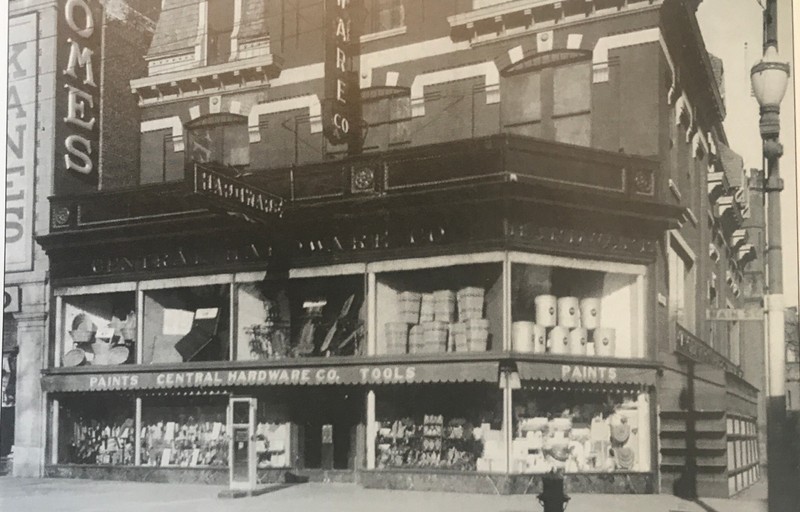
<point x="571" y="311"/>
<point x="186" y="324"/>
<point x="184" y="431"/>
<point x="96" y="430"/>
<point x="580" y="430"/>
<point x="273" y="435"/>
<point x="438" y="310"/>
<point x="99" y="329"/>
<point x="300" y="318"/>
<point x="434" y="427"/>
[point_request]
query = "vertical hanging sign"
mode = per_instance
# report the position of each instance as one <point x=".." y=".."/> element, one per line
<point x="23" y="50"/>
<point x="342" y="110"/>
<point x="77" y="123"/>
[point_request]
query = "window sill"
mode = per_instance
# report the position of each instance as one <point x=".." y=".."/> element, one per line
<point x="374" y="36"/>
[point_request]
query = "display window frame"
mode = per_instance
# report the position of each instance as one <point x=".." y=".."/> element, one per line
<point x="287" y="280"/>
<point x="375" y="269"/>
<point x="639" y="347"/>
<point x="444" y="424"/>
<point x="644" y="431"/>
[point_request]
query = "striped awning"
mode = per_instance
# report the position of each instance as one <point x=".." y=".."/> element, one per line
<point x="585" y="373"/>
<point x="345" y="374"/>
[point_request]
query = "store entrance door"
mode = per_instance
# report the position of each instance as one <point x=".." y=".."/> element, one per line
<point x="329" y="429"/>
<point x="242" y="449"/>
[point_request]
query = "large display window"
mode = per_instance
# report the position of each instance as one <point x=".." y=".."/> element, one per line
<point x="320" y="316"/>
<point x="432" y="426"/>
<point x="183" y="431"/>
<point x="184" y="324"/>
<point x="96" y="430"/>
<point x="97" y="329"/>
<point x="437" y="310"/>
<point x="273" y="435"/>
<point x="580" y="430"/>
<point x="576" y="310"/>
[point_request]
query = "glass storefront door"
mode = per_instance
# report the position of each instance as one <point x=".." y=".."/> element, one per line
<point x="241" y="425"/>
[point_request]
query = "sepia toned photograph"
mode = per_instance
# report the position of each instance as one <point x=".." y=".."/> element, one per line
<point x="400" y="256"/>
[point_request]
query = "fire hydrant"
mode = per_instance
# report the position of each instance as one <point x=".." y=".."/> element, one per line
<point x="552" y="497"/>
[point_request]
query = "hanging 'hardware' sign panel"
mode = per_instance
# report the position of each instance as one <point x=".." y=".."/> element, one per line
<point x="77" y="123"/>
<point x="342" y="111"/>
<point x="236" y="196"/>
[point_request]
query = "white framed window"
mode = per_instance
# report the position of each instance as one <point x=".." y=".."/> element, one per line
<point x="384" y="16"/>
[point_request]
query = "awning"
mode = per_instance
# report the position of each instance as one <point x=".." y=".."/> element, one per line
<point x="362" y="374"/>
<point x="583" y="373"/>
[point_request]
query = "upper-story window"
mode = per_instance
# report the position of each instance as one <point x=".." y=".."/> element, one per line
<point x="220" y="28"/>
<point x="219" y="139"/>
<point x="548" y="95"/>
<point x="383" y="15"/>
<point x="682" y="283"/>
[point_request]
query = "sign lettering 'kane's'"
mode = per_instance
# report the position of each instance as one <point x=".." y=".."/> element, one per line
<point x="342" y="115"/>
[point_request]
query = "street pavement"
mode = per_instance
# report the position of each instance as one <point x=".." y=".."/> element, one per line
<point x="67" y="495"/>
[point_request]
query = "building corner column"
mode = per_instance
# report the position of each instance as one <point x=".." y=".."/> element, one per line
<point x="29" y="449"/>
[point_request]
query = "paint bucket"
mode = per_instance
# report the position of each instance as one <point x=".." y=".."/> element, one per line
<point x="75" y="357"/>
<point x="470" y="303"/>
<point x="522" y="336"/>
<point x="590" y="313"/>
<point x="118" y="355"/>
<point x="444" y="306"/>
<point x="545" y="310"/>
<point x="477" y="334"/>
<point x="409" y="304"/>
<point x="558" y="340"/>
<point x="426" y="308"/>
<point x="569" y="313"/>
<point x="540" y="339"/>
<point x="578" y="338"/>
<point x="435" y="336"/>
<point x="416" y="340"/>
<point x="396" y="338"/>
<point x="458" y="337"/>
<point x="604" y="341"/>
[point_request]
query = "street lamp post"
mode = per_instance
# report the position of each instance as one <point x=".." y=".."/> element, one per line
<point x="769" y="78"/>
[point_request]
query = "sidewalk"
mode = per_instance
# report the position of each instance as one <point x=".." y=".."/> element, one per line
<point x="33" y="495"/>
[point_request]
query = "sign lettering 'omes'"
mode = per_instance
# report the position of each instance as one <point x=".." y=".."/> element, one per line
<point x="77" y="96"/>
<point x="342" y="113"/>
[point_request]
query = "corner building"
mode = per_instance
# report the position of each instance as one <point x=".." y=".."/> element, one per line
<point x="514" y="275"/>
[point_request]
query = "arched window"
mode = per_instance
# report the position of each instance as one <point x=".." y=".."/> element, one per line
<point x="220" y="139"/>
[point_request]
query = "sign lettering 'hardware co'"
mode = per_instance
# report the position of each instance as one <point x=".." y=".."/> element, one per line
<point x="342" y="113"/>
<point x="324" y="375"/>
<point x="78" y="86"/>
